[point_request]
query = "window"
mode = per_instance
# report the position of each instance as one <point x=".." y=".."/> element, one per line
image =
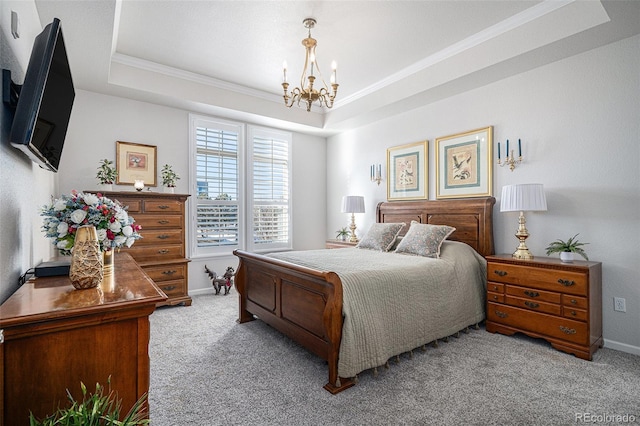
<point x="218" y="180"/>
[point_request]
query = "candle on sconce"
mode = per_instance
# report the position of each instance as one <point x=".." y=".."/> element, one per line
<point x="507" y="148"/>
<point x="519" y="149"/>
<point x="371" y="171"/>
<point x="498" y="150"/>
<point x="379" y="175"/>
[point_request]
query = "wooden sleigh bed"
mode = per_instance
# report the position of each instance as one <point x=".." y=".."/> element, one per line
<point x="306" y="304"/>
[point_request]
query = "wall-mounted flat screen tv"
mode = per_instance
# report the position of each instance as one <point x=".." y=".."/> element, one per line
<point x="45" y="100"/>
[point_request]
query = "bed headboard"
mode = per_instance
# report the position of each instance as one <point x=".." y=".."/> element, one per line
<point x="472" y="218"/>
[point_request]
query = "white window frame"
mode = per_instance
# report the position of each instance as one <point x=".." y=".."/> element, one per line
<point x="203" y="121"/>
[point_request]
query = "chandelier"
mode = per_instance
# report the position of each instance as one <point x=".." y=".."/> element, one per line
<point x="309" y="94"/>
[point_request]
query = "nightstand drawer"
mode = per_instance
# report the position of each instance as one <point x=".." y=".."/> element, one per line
<point x="578" y="314"/>
<point x="495" y="297"/>
<point x="537" y="322"/>
<point x="575" y="301"/>
<point x="495" y="287"/>
<point x="542" y="278"/>
<point x="533" y="294"/>
<point x="534" y="305"/>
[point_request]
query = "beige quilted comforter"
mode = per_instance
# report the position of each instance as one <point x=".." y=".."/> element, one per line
<point x="393" y="303"/>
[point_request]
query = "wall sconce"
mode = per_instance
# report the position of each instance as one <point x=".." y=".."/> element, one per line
<point x="138" y="185"/>
<point x="510" y="160"/>
<point x="376" y="173"/>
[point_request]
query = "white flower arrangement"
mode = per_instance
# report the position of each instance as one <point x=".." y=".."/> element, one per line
<point x="114" y="226"/>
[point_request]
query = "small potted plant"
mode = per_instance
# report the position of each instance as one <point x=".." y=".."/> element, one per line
<point x="567" y="249"/>
<point x="342" y="234"/>
<point x="106" y="174"/>
<point x="169" y="178"/>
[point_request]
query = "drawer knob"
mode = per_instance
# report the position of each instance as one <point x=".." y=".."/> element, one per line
<point x="169" y="287"/>
<point x="169" y="272"/>
<point x="163" y="251"/>
<point x="573" y="301"/>
<point x="163" y="222"/>
<point x="501" y="314"/>
<point x="163" y="237"/>
<point x="574" y="313"/>
<point x="163" y="207"/>
<point x="567" y="330"/>
<point x="495" y="297"/>
<point x="566" y="283"/>
<point x="532" y="305"/>
<point x="500" y="273"/>
<point x="531" y="293"/>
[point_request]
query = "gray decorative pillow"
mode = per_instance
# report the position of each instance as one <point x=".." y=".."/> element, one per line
<point x="381" y="236"/>
<point x="424" y="239"/>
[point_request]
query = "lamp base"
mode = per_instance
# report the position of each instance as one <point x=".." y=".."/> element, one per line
<point x="521" y="253"/>
<point x="352" y="227"/>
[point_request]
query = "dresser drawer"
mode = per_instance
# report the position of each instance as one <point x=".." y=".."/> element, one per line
<point x="157" y="237"/>
<point x="534" y="305"/>
<point x="495" y="287"/>
<point x="133" y="206"/>
<point x="533" y="294"/>
<point x="166" y="272"/>
<point x="158" y="252"/>
<point x="575" y="301"/>
<point x="163" y="206"/>
<point x="537" y="322"/>
<point x="542" y="278"/>
<point x="574" y="313"/>
<point x="153" y="221"/>
<point x="495" y="297"/>
<point x="173" y="288"/>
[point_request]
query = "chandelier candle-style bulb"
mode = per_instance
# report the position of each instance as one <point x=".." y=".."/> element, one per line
<point x="307" y="93"/>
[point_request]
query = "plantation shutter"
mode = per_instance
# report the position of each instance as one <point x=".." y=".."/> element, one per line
<point x="269" y="180"/>
<point x="218" y="214"/>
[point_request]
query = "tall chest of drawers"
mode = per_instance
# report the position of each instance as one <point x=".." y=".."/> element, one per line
<point x="545" y="298"/>
<point x="161" y="250"/>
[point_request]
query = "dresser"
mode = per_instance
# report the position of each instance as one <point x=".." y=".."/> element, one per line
<point x="545" y="298"/>
<point x="162" y="248"/>
<point x="56" y="337"/>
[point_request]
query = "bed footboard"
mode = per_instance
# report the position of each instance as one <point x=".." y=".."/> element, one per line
<point x="302" y="303"/>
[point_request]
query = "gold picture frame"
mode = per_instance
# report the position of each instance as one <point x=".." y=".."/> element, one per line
<point x="136" y="161"/>
<point x="463" y="164"/>
<point x="407" y="172"/>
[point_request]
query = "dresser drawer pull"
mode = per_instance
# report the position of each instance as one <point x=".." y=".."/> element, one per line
<point x="531" y="293"/>
<point x="567" y="330"/>
<point x="163" y="251"/>
<point x="501" y="314"/>
<point x="163" y="207"/>
<point x="532" y="305"/>
<point x="163" y="222"/>
<point x="574" y="313"/>
<point x="495" y="297"/>
<point x="500" y="273"/>
<point x="163" y="237"/>
<point x="169" y="287"/>
<point x="573" y="301"/>
<point x="169" y="272"/>
<point x="566" y="283"/>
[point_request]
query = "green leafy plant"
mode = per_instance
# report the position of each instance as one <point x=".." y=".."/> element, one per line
<point x="571" y="245"/>
<point x="342" y="233"/>
<point x="95" y="409"/>
<point x="169" y="177"/>
<point x="106" y="172"/>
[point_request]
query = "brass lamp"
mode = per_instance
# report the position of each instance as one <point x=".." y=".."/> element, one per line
<point x="353" y="204"/>
<point x="521" y="198"/>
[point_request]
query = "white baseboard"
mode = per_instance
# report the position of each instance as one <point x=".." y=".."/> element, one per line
<point x="200" y="291"/>
<point x="622" y="347"/>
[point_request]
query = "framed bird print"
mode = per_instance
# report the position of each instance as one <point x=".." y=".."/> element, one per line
<point x="407" y="171"/>
<point x="463" y="164"/>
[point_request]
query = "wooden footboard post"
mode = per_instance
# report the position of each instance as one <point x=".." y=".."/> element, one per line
<point x="333" y="327"/>
<point x="241" y="285"/>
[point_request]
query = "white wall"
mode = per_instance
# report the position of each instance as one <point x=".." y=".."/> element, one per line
<point x="24" y="187"/>
<point x="98" y="121"/>
<point x="579" y="124"/>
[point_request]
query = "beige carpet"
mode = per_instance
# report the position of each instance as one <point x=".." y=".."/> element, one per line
<point x="208" y="370"/>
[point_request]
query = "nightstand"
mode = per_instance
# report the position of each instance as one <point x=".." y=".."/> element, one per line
<point x="335" y="244"/>
<point x="546" y="298"/>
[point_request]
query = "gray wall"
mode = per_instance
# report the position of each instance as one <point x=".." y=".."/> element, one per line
<point x="579" y="124"/>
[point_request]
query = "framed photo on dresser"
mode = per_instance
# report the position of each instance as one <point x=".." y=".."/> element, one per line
<point x="136" y="161"/>
<point x="463" y="164"/>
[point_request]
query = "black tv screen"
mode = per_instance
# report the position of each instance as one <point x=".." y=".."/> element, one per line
<point x="44" y="104"/>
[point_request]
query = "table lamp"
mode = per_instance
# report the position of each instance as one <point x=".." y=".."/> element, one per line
<point x="528" y="197"/>
<point x="353" y="204"/>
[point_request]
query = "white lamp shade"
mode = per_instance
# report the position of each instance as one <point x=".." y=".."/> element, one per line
<point x="528" y="197"/>
<point x="352" y="204"/>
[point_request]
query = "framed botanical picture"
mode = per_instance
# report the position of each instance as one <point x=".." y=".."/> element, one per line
<point x="135" y="161"/>
<point x="463" y="164"/>
<point x="407" y="171"/>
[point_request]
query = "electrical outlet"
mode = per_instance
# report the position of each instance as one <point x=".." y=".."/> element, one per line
<point x="619" y="304"/>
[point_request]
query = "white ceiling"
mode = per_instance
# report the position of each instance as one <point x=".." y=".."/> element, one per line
<point x="225" y="57"/>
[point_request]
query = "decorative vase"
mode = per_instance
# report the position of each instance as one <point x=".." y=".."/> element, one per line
<point x="566" y="256"/>
<point x="86" y="260"/>
<point x="106" y="186"/>
<point x="169" y="189"/>
<point x="108" y="260"/>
